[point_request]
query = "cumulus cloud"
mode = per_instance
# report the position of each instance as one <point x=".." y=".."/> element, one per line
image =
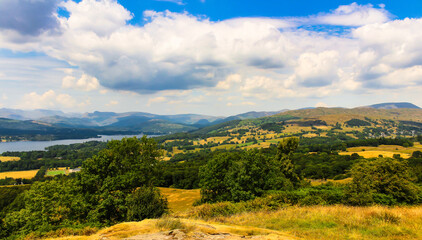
<point x="84" y="83"/>
<point x="112" y="103"/>
<point x="354" y="15"/>
<point x="262" y="58"/>
<point x="28" y="17"/>
<point x="49" y="99"/>
<point x="156" y="100"/>
<point x="229" y="81"/>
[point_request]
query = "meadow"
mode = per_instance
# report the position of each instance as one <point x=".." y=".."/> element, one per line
<point x="180" y="200"/>
<point x="19" y="174"/>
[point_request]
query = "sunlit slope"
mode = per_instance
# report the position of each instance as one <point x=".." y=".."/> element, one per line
<point x="333" y="115"/>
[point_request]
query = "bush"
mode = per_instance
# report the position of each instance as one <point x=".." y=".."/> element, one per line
<point x="383" y="180"/>
<point x="145" y="202"/>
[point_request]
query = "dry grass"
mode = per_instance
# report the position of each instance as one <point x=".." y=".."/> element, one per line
<point x="19" y="174"/>
<point x="189" y="226"/>
<point x="389" y="148"/>
<point x="8" y="159"/>
<point x="384" y="150"/>
<point x="337" y="222"/>
<point x="316" y="182"/>
<point x="180" y="200"/>
<point x="373" y="154"/>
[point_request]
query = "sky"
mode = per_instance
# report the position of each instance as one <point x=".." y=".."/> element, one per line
<point x="210" y="57"/>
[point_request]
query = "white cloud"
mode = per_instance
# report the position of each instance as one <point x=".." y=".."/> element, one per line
<point x="99" y="17"/>
<point x="49" y="99"/>
<point x="112" y="103"/>
<point x="249" y="103"/>
<point x="261" y="58"/>
<point x="317" y="69"/>
<point x="84" y="83"/>
<point x="229" y="81"/>
<point x="196" y="99"/>
<point x="156" y="100"/>
<point x="354" y="15"/>
<point x="321" y="104"/>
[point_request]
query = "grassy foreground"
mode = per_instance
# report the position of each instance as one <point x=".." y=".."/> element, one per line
<point x="336" y="222"/>
<point x="293" y="222"/>
<point x="318" y="222"/>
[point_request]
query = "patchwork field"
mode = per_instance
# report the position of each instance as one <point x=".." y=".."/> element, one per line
<point x="55" y="172"/>
<point x="384" y="150"/>
<point x="19" y="174"/>
<point x="373" y="154"/>
<point x="8" y="159"/>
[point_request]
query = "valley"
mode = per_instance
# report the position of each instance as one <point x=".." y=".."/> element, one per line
<point x="220" y="180"/>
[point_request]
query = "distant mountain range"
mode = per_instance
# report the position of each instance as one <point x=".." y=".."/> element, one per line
<point x="49" y="122"/>
<point x="55" y="124"/>
<point x="394" y="105"/>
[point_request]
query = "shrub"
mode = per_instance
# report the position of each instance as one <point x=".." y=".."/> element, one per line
<point x="145" y="202"/>
<point x="389" y="177"/>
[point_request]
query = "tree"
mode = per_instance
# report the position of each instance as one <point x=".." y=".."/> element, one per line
<point x="48" y="205"/>
<point x="145" y="202"/>
<point x="285" y="149"/>
<point x="115" y="173"/>
<point x="213" y="175"/>
<point x="248" y="174"/>
<point x="381" y="178"/>
<point x="40" y="174"/>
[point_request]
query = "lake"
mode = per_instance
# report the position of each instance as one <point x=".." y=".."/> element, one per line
<point x="24" y="146"/>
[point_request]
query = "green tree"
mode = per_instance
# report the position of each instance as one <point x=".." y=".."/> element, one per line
<point x="283" y="162"/>
<point x="381" y="178"/>
<point x="145" y="202"/>
<point x="48" y="205"/>
<point x="40" y="174"/>
<point x="115" y="173"/>
<point x="249" y="176"/>
<point x="213" y="178"/>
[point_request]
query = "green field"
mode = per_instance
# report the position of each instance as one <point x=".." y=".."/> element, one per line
<point x="55" y="172"/>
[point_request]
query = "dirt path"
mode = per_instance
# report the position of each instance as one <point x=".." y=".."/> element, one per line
<point x="180" y="235"/>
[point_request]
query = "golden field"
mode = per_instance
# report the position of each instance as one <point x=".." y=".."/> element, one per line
<point x="374" y="154"/>
<point x="19" y="174"/>
<point x="180" y="199"/>
<point x="8" y="159"/>
<point x="384" y="150"/>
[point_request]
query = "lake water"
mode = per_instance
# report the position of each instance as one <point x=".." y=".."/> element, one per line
<point x="21" y="146"/>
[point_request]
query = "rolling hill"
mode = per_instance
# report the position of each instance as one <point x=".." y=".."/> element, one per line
<point x="394" y="105"/>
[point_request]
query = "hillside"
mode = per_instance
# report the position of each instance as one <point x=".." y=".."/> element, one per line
<point x="333" y="115"/>
<point x="394" y="105"/>
<point x="12" y="130"/>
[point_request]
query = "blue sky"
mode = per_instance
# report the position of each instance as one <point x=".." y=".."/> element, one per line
<point x="208" y="56"/>
<point x="218" y="10"/>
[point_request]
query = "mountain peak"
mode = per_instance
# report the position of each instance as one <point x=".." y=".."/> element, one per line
<point x="394" y="105"/>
